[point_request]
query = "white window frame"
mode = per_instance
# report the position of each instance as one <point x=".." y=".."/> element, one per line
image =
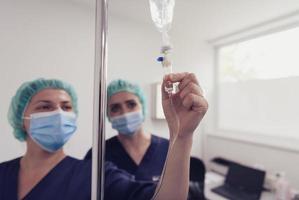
<point x="278" y="24"/>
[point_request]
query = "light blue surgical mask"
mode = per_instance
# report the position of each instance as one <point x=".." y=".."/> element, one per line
<point x="128" y="123"/>
<point x="51" y="130"/>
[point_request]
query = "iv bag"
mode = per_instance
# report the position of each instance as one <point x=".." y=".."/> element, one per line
<point x="162" y="14"/>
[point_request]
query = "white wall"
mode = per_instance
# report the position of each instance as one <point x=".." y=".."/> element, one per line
<point x="53" y="39"/>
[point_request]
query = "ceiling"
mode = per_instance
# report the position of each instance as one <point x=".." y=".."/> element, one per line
<point x="209" y="17"/>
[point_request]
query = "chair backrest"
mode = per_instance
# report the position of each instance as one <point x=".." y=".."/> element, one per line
<point x="197" y="179"/>
<point x="197" y="170"/>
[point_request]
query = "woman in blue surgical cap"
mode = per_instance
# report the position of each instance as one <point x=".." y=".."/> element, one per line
<point x="43" y="114"/>
<point x="138" y="152"/>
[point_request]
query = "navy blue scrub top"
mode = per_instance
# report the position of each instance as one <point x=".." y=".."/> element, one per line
<point x="71" y="179"/>
<point x="151" y="165"/>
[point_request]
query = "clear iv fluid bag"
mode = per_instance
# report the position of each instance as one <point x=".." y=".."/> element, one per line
<point x="162" y="14"/>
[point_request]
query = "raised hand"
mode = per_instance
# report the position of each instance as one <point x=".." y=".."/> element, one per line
<point x="186" y="108"/>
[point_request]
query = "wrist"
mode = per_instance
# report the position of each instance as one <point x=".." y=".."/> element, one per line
<point x="184" y="135"/>
<point x="183" y="141"/>
<point x="188" y="139"/>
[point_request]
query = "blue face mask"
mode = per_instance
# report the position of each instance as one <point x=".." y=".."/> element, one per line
<point x="51" y="130"/>
<point x="127" y="124"/>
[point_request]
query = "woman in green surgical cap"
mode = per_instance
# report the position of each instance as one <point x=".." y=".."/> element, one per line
<point x="43" y="113"/>
<point x="134" y="150"/>
<point x="24" y="95"/>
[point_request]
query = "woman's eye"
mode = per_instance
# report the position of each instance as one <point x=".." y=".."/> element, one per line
<point x="131" y="104"/>
<point x="67" y="107"/>
<point x="44" y="107"/>
<point x="115" y="108"/>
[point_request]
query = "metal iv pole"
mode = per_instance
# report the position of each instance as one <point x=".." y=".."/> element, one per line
<point x="99" y="101"/>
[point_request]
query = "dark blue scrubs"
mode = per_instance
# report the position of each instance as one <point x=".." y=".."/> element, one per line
<point x="71" y="179"/>
<point x="151" y="165"/>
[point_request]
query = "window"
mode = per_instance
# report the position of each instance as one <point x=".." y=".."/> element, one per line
<point x="258" y="85"/>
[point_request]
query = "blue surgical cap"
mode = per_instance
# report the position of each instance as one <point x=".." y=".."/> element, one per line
<point x="23" y="96"/>
<point x="120" y="85"/>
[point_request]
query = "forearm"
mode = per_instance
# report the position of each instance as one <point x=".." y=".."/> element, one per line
<point x="183" y="111"/>
<point x="175" y="182"/>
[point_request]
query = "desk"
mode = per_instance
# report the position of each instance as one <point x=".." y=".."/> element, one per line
<point x="213" y="180"/>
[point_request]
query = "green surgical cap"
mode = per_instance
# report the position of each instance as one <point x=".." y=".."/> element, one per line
<point x="23" y="96"/>
<point x="120" y="85"/>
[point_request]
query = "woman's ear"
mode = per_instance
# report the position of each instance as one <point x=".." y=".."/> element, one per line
<point x="26" y="122"/>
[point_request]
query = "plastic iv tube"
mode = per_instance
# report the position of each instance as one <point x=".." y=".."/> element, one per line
<point x="167" y="69"/>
